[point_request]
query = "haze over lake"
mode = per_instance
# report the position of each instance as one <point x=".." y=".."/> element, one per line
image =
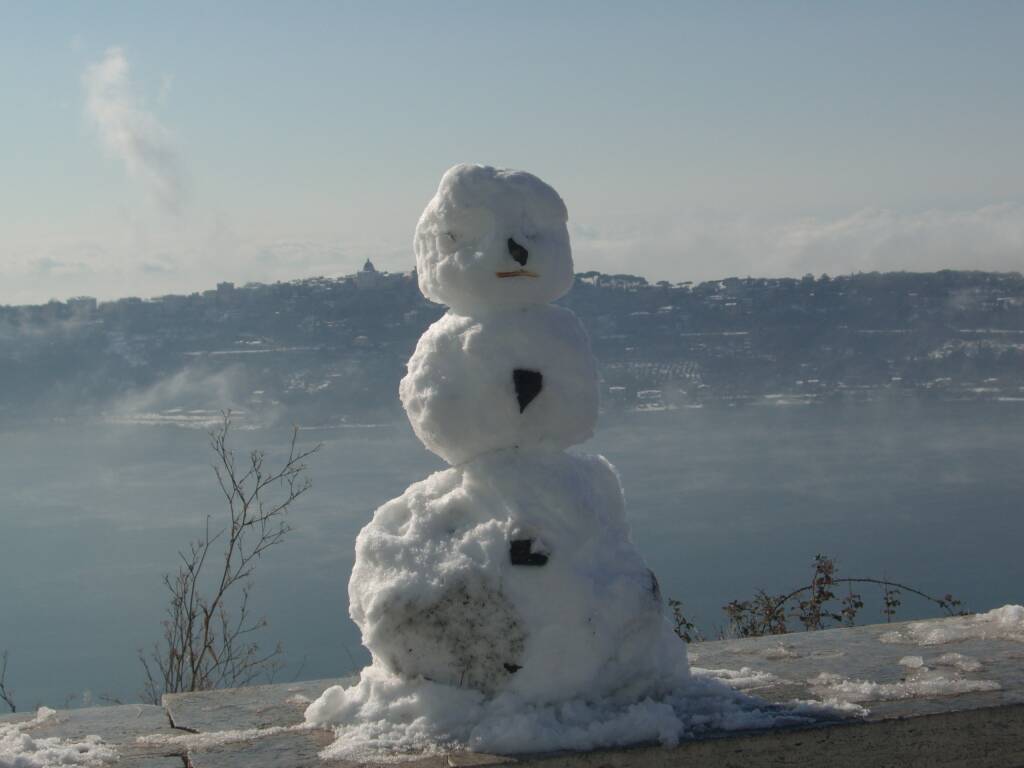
<point x="722" y="501"/>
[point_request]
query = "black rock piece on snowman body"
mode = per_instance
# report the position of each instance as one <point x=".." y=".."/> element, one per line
<point x="521" y="553"/>
<point x="528" y="385"/>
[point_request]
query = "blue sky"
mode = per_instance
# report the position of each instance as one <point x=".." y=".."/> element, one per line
<point x="158" y="147"/>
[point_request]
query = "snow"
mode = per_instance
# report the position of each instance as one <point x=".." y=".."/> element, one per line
<point x="504" y="605"/>
<point x="1006" y="623"/>
<point x="781" y="651"/>
<point x="742" y="679"/>
<point x="959" y="661"/>
<point x="956" y="660"/>
<point x="386" y="717"/>
<point x="459" y="392"/>
<point x="942" y="675"/>
<point x="196" y="741"/>
<point x="18" y="748"/>
<point x="926" y="682"/>
<point x="435" y="593"/>
<point x="462" y="241"/>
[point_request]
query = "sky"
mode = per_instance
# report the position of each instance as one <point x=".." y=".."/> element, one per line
<point x="151" y="148"/>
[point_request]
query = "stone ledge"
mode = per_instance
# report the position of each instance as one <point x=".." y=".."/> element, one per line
<point x="906" y="724"/>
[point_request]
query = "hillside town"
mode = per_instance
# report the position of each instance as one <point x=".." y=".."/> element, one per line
<point x="334" y="348"/>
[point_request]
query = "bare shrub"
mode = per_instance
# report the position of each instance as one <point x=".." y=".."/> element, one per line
<point x="813" y="606"/>
<point x="209" y="633"/>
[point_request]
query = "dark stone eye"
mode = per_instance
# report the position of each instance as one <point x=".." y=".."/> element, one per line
<point x="517" y="252"/>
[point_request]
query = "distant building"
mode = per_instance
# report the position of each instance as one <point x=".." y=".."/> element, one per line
<point x="226" y="294"/>
<point x="368" y="276"/>
<point x="82" y="305"/>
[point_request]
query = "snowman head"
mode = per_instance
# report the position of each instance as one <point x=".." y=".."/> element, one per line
<point x="492" y="239"/>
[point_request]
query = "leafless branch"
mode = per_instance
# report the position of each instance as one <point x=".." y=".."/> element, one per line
<point x="206" y="633"/>
<point x="6" y="695"/>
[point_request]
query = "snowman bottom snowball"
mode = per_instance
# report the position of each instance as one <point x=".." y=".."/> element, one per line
<point x="513" y="573"/>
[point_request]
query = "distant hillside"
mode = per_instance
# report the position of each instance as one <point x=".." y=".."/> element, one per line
<point x="321" y="350"/>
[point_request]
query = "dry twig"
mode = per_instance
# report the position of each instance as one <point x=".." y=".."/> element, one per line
<point x="209" y="633"/>
<point x="6" y="695"/>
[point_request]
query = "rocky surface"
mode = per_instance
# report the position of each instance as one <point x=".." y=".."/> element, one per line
<point x="959" y="702"/>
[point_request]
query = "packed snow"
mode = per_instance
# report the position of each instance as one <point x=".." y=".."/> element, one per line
<point x="1006" y="623"/>
<point x="461" y="396"/>
<point x="493" y="239"/>
<point x="385" y="717"/>
<point x="19" y="749"/>
<point x="503" y="602"/>
<point x="436" y="594"/>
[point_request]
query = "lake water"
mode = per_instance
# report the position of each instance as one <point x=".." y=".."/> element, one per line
<point x="722" y="502"/>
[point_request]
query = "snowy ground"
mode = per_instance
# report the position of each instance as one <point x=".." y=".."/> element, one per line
<point x="384" y="717"/>
<point x="18" y="749"/>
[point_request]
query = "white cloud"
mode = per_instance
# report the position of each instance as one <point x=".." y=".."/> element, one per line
<point x="198" y="251"/>
<point x="130" y="132"/>
<point x="191" y="257"/>
<point x="700" y="247"/>
<point x="990" y="238"/>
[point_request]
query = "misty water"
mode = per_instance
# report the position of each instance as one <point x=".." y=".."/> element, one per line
<point x="722" y="502"/>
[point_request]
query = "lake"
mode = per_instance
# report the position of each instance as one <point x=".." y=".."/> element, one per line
<point x="722" y="502"/>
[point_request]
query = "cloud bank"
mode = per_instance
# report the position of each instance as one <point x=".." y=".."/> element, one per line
<point x="691" y="247"/>
<point x="683" y="247"/>
<point x="131" y="133"/>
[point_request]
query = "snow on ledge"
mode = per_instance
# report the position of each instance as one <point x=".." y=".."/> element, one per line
<point x="18" y="749"/>
<point x="383" y="718"/>
<point x="1006" y="623"/>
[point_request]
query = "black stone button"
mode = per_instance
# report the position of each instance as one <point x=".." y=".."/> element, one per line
<point x="520" y="552"/>
<point x="528" y="385"/>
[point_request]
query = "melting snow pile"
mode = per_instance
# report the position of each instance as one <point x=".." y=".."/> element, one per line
<point x="920" y="681"/>
<point x="18" y="748"/>
<point x="1006" y="623"/>
<point x="502" y="600"/>
<point x="385" y="714"/>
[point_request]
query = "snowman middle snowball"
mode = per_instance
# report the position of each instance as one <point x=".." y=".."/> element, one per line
<point x="512" y="571"/>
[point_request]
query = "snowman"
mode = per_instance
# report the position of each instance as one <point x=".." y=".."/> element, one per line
<point x="508" y="580"/>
